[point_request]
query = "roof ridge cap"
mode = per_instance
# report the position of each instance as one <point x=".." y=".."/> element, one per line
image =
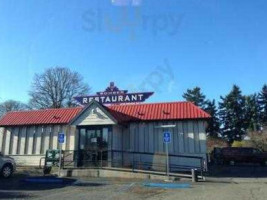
<point x="154" y="103"/>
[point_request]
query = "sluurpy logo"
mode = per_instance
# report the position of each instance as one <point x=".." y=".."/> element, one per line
<point x="126" y="2"/>
<point x="129" y="18"/>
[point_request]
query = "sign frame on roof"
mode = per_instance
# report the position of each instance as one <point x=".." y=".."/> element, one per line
<point x="113" y="95"/>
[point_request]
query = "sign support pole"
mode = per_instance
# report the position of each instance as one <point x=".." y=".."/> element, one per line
<point x="59" y="164"/>
<point x="167" y="160"/>
<point x="61" y="140"/>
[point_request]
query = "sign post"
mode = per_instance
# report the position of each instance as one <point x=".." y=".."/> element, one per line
<point x="61" y="140"/>
<point x="167" y="140"/>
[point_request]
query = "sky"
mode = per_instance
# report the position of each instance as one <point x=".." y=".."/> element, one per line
<point x="165" y="46"/>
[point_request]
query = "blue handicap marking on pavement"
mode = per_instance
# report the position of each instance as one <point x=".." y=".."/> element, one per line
<point x="168" y="185"/>
<point x="61" y="138"/>
<point x="167" y="137"/>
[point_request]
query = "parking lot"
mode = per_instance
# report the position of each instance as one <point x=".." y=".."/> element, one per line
<point x="130" y="189"/>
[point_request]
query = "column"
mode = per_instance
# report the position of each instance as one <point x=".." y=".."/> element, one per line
<point x="38" y="136"/>
<point x="2" y="132"/>
<point x="30" y="135"/>
<point x="55" y="136"/>
<point x="15" y="140"/>
<point x="46" y="138"/>
<point x="22" y="140"/>
<point x="191" y="137"/>
<point x="7" y="141"/>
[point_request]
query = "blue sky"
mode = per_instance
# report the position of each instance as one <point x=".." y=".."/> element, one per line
<point x="164" y="46"/>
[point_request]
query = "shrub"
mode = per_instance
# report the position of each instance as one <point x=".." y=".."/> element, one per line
<point x="215" y="142"/>
<point x="258" y="140"/>
<point x="240" y="144"/>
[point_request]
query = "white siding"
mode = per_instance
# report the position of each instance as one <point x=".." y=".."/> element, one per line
<point x="56" y="130"/>
<point x="38" y="138"/>
<point x="181" y="134"/>
<point x="30" y="135"/>
<point x="7" y="141"/>
<point x="46" y="138"/>
<point x="2" y="132"/>
<point x="65" y="130"/>
<point x="191" y="137"/>
<point x="202" y="136"/>
<point x="93" y="116"/>
<point x="71" y="141"/>
<point x="22" y="140"/>
<point x="15" y="132"/>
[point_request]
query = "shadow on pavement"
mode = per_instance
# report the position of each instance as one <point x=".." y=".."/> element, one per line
<point x="14" y="195"/>
<point x="238" y="171"/>
<point x="16" y="183"/>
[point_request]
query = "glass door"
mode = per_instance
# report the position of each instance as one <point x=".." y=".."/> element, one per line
<point x="94" y="145"/>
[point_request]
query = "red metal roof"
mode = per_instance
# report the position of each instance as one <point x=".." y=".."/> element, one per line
<point x="157" y="111"/>
<point x="34" y="117"/>
<point x="122" y="113"/>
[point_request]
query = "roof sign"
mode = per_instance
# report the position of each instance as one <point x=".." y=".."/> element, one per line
<point x="113" y="95"/>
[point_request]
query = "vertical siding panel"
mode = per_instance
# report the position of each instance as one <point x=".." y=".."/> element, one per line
<point x="38" y="135"/>
<point x="125" y="139"/>
<point x="155" y="144"/>
<point x="51" y="136"/>
<point x="68" y="130"/>
<point x="150" y="137"/>
<point x="46" y="134"/>
<point x="15" y="140"/>
<point x="56" y="130"/>
<point x="159" y="139"/>
<point x="171" y="144"/>
<point x="7" y="141"/>
<point x="2" y="130"/>
<point x="132" y="138"/>
<point x="156" y="138"/>
<point x="128" y="138"/>
<point x="73" y="136"/>
<point x="147" y="137"/>
<point x="30" y="133"/>
<point x="196" y="137"/>
<point x="191" y="137"/>
<point x="202" y="136"/>
<point x="175" y="138"/>
<point x="12" y="130"/>
<point x="180" y="137"/>
<point x="141" y="138"/>
<point x="64" y="130"/>
<point x="186" y="140"/>
<point x="136" y="137"/>
<point x="22" y="140"/>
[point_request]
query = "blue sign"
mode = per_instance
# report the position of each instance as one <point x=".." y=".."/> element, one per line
<point x="61" y="138"/>
<point x="167" y="137"/>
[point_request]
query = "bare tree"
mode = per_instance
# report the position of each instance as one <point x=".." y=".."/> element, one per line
<point x="11" y="105"/>
<point x="56" y="87"/>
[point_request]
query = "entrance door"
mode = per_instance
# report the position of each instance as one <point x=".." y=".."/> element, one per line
<point x="94" y="145"/>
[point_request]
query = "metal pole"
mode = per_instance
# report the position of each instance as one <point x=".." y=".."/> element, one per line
<point x="59" y="164"/>
<point x="167" y="159"/>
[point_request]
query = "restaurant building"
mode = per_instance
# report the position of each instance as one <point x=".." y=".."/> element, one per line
<point x="123" y="128"/>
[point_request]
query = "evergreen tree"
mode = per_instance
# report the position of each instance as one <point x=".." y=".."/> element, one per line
<point x="195" y="96"/>
<point x="253" y="114"/>
<point x="232" y="114"/>
<point x="263" y="104"/>
<point x="213" y="128"/>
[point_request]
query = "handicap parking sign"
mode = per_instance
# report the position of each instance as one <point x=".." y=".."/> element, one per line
<point x="167" y="137"/>
<point x="61" y="138"/>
